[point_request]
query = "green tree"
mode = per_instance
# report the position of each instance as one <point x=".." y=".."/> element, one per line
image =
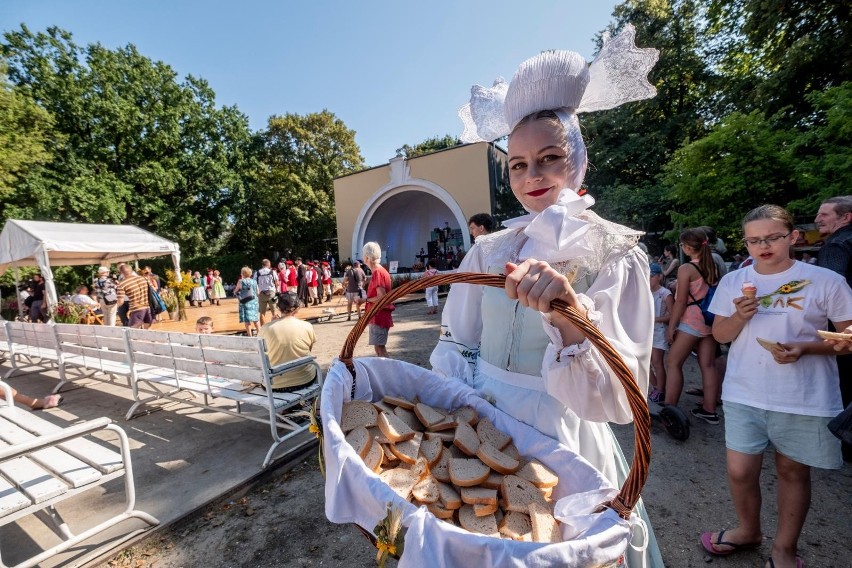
<point x="771" y="53"/>
<point x="289" y="203"/>
<point x="26" y="136"/>
<point x="428" y="146"/>
<point x="630" y="145"/>
<point x="141" y="147"/>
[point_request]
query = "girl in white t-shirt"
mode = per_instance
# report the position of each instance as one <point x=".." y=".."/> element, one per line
<point x="663" y="303"/>
<point x="783" y="394"/>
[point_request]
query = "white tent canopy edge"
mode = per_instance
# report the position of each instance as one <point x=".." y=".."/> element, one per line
<point x="45" y="244"/>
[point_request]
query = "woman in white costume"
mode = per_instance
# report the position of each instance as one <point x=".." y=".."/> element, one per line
<point x="532" y="364"/>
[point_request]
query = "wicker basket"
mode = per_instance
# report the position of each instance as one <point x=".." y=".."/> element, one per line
<point x="629" y="493"/>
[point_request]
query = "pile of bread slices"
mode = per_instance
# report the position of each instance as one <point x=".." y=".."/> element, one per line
<point x="465" y="470"/>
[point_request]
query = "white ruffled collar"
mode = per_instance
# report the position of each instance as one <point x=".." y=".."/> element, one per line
<point x="557" y="233"/>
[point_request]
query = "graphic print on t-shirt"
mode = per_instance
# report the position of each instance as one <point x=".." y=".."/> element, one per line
<point x="781" y="297"/>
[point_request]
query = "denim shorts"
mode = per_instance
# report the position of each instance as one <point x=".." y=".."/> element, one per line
<point x="803" y="439"/>
<point x="689" y="330"/>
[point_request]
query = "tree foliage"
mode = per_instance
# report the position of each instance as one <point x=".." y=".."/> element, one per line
<point x="140" y="146"/>
<point x="428" y="146"/>
<point x="288" y="206"/>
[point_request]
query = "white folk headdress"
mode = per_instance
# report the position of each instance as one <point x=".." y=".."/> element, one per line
<point x="554" y="80"/>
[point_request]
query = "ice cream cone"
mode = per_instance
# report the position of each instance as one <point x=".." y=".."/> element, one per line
<point x="749" y="290"/>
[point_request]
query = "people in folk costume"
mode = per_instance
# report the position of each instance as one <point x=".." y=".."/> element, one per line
<point x="326" y="280"/>
<point x="218" y="290"/>
<point x="507" y="344"/>
<point x="292" y="278"/>
<point x="208" y="285"/>
<point x="199" y="293"/>
<point x="313" y="283"/>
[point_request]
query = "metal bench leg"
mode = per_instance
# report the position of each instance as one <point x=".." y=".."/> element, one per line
<point x="51" y="517"/>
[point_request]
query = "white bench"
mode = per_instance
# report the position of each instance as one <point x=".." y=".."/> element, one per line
<point x="220" y="368"/>
<point x="42" y="464"/>
<point x="96" y="348"/>
<point x="33" y="345"/>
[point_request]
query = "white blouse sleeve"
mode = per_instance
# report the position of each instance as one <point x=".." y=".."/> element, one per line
<point x="622" y="307"/>
<point x="461" y="324"/>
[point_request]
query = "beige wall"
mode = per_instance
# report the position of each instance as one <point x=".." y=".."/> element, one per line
<point x="462" y="172"/>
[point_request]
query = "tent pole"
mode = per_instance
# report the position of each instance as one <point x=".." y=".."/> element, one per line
<point x="18" y="301"/>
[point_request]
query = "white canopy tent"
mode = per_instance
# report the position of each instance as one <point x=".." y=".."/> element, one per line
<point x="45" y="244"/>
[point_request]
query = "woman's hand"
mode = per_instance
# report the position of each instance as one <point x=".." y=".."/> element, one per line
<point x="535" y="284"/>
<point x="787" y="353"/>
<point x="670" y="334"/>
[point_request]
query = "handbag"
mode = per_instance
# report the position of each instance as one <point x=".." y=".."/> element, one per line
<point x="245" y="294"/>
<point x="155" y="302"/>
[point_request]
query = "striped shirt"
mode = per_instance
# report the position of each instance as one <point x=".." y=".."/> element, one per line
<point x="135" y="287"/>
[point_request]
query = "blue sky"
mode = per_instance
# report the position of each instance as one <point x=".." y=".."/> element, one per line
<point x="395" y="72"/>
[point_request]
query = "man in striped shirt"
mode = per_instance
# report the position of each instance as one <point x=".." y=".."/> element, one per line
<point x="135" y="289"/>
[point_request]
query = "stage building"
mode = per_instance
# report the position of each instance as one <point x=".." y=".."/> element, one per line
<point x="418" y="208"/>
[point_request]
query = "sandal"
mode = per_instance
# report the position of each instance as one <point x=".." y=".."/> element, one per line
<point x="710" y="546"/>
<point x="50" y="401"/>
<point x="694" y="392"/>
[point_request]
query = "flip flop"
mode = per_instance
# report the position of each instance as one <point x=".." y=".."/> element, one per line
<point x="710" y="546"/>
<point x="799" y="562"/>
<point x="695" y="392"/>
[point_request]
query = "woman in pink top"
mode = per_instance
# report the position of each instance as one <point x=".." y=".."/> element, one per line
<point x="687" y="330"/>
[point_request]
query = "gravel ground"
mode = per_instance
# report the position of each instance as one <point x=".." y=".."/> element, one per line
<point x="281" y="522"/>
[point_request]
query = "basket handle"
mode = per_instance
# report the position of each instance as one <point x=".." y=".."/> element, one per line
<point x="630" y="491"/>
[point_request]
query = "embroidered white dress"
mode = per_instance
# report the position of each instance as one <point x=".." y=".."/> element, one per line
<point x="514" y="357"/>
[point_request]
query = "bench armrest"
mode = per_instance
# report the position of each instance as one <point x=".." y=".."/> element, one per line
<point x="24" y="448"/>
<point x="7" y="394"/>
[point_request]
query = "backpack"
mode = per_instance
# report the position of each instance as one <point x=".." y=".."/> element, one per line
<point x="704" y="303"/>
<point x="266" y="282"/>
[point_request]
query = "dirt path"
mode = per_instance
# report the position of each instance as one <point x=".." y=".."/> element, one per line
<point x="282" y="522"/>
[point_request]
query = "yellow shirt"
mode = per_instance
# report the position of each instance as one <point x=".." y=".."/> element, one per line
<point x="287" y="339"/>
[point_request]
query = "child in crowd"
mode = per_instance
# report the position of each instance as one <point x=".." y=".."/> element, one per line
<point x="204" y="325"/>
<point x="663" y="303"/>
<point x="781" y="385"/>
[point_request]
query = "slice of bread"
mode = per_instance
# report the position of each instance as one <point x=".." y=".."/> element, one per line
<point x="466" y="439"/>
<point x="402" y="481"/>
<point x="469" y="472"/>
<point x="394" y="428"/>
<point x="431" y="449"/>
<point x="515" y="525"/>
<point x="494" y="480"/>
<point x="377" y="435"/>
<point x="441" y="470"/>
<point x="409" y="418"/>
<point x="447" y="423"/>
<point x="443" y="435"/>
<point x="382" y="406"/>
<point x="538" y="474"/>
<point x="389" y="460"/>
<point x="399" y="401"/>
<point x="409" y="450"/>
<point x="358" y="413"/>
<point x="518" y="493"/>
<point x="454" y="451"/>
<point x="440" y="511"/>
<point x="428" y="415"/>
<point x="489" y="433"/>
<point x="511" y="450"/>
<point x="486" y="525"/>
<point x="374" y="458"/>
<point x="450" y="498"/>
<point x="360" y="440"/>
<point x="466" y="414"/>
<point x="544" y="526"/>
<point x="478" y="496"/>
<point x="481" y="510"/>
<point x="426" y="490"/>
<point x="497" y="460"/>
